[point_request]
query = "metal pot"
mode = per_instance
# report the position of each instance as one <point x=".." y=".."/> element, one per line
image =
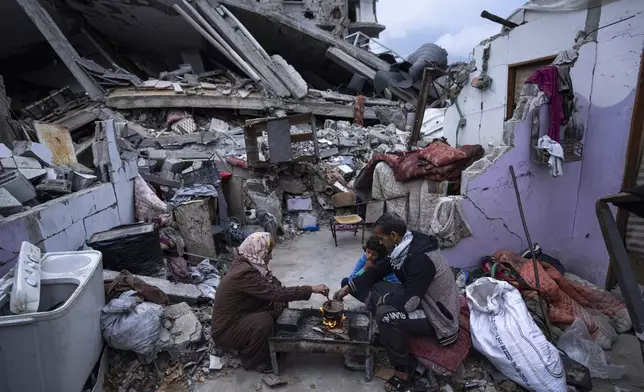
<point x="333" y="310"/>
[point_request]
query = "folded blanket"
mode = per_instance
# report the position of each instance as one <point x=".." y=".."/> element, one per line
<point x="568" y="301"/>
<point x="444" y="360"/>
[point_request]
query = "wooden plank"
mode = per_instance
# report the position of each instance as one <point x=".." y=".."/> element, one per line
<point x="195" y="225"/>
<point x="244" y="47"/>
<point x="48" y="28"/>
<point x="420" y="108"/>
<point x="59" y="142"/>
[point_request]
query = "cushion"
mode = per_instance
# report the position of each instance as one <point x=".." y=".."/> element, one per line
<point x="440" y="154"/>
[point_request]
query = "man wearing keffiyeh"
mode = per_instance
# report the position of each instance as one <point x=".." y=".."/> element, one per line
<point x="425" y="304"/>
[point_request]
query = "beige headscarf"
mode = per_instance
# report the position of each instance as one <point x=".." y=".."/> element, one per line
<point x="254" y="250"/>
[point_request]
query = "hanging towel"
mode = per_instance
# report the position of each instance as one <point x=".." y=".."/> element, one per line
<point x="556" y="154"/>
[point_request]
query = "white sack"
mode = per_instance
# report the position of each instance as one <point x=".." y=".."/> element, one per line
<point x="503" y="330"/>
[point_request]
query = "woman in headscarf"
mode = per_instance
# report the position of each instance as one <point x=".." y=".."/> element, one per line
<point x="249" y="299"/>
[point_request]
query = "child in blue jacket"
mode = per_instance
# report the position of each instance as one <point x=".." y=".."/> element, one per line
<point x="374" y="254"/>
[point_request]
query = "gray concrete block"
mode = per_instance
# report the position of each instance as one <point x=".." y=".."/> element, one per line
<point x="82" y="181"/>
<point x="181" y="328"/>
<point x="288" y="320"/>
<point x="330" y="124"/>
<point x="306" y="220"/>
<point x="5" y="152"/>
<point x="291" y="185"/>
<point x="177" y="292"/>
<point x="33" y="150"/>
<point x="8" y="204"/>
<point x="347" y="141"/>
<point x="17" y="185"/>
<point x="54" y="187"/>
<point x="33" y="175"/>
<point x="329" y="152"/>
<point x="174" y="165"/>
<point x="20" y="163"/>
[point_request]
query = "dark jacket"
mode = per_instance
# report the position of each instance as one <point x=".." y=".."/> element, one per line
<point x="427" y="282"/>
<point x="244" y="291"/>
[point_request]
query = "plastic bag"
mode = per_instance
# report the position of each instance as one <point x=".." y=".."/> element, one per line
<point x="578" y="345"/>
<point x="128" y="323"/>
<point x="503" y="330"/>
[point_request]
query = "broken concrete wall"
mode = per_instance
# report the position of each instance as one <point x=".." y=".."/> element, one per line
<point x="66" y="223"/>
<point x="313" y="12"/>
<point x="560" y="211"/>
<point x="485" y="111"/>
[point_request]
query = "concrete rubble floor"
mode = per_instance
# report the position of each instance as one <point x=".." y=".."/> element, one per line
<point x="311" y="258"/>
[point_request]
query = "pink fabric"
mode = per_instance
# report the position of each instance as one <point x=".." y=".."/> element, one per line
<point x="547" y="78"/>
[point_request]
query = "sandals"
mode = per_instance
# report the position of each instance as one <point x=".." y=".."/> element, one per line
<point x="397" y="384"/>
<point x="264" y="369"/>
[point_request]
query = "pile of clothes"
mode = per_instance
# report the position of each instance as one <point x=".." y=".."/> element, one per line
<point x="436" y="162"/>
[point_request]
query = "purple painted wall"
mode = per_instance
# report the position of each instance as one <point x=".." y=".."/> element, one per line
<point x="561" y="211"/>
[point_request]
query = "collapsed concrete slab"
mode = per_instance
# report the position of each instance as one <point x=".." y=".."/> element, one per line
<point x="177" y="292"/>
<point x="146" y="99"/>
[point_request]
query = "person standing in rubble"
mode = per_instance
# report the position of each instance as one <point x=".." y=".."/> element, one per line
<point x="249" y="299"/>
<point x="425" y="304"/>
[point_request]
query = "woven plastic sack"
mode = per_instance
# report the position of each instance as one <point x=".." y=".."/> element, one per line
<point x="128" y="323"/>
<point x="503" y="330"/>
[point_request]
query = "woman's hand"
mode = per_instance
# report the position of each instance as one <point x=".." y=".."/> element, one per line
<point x="320" y="289"/>
<point x="340" y="294"/>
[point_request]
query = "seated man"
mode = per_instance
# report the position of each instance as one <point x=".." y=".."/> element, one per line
<point x="425" y="304"/>
<point x="375" y="253"/>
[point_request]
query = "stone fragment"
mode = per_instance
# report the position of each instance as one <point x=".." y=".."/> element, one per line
<point x="54" y="187"/>
<point x="33" y="175"/>
<point x="35" y="150"/>
<point x="329" y="152"/>
<point x="215" y="363"/>
<point x="291" y="185"/>
<point x="330" y="124"/>
<point x="288" y="320"/>
<point x="177" y="292"/>
<point x="174" y="165"/>
<point x="8" y="204"/>
<point x="17" y="185"/>
<point x="347" y="141"/>
<point x="82" y="181"/>
<point x="185" y="329"/>
<point x="5" y="152"/>
<point x="20" y="163"/>
<point x="185" y="125"/>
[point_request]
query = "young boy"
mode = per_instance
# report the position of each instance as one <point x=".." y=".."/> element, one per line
<point x="375" y="253"/>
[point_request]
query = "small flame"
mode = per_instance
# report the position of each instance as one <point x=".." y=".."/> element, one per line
<point x="330" y="323"/>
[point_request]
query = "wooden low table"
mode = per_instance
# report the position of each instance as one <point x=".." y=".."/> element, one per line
<point x="302" y="331"/>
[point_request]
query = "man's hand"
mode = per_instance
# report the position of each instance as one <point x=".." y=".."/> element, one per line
<point x="340" y="294"/>
<point x="320" y="289"/>
<point x="278" y="306"/>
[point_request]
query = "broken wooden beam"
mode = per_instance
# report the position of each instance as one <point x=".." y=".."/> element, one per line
<point x="244" y="47"/>
<point x="314" y="32"/>
<point x="147" y="99"/>
<point x="48" y="28"/>
<point x="206" y="30"/>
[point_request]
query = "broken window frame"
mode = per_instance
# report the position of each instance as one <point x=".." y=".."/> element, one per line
<point x="512" y="80"/>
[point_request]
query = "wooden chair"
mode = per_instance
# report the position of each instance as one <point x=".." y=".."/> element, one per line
<point x="342" y="202"/>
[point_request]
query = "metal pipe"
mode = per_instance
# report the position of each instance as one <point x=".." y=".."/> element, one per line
<point x="246" y="33"/>
<point x="498" y="19"/>
<point x="534" y="258"/>
<point x="225" y="49"/>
